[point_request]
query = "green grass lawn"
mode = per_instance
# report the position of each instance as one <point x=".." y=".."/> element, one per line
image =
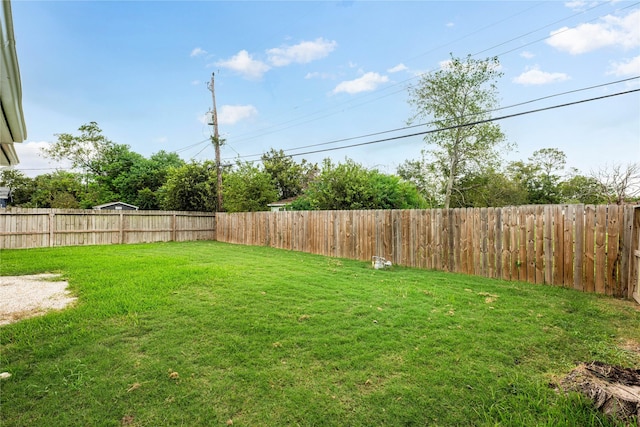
<point x="200" y="333"/>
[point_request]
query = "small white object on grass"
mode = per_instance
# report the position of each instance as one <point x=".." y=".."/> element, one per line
<point x="4" y="375"/>
<point x="379" y="262"/>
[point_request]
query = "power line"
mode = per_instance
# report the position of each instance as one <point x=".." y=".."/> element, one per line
<point x="188" y="147"/>
<point x="279" y="127"/>
<point x="543" y="38"/>
<point x="420" y="125"/>
<point x="470" y="123"/>
<point x="317" y="115"/>
<point x="430" y="123"/>
<point x="465" y="124"/>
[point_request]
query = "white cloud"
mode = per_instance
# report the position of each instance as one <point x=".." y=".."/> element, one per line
<point x="368" y="82"/>
<point x="318" y="75"/>
<point x="397" y="68"/>
<point x="527" y="55"/>
<point x="576" y="5"/>
<point x="614" y="31"/>
<point x="198" y="52"/>
<point x="232" y="114"/>
<point x="450" y="25"/>
<point x="244" y="64"/>
<point x="627" y="68"/>
<point x="534" y="76"/>
<point x="301" y="53"/>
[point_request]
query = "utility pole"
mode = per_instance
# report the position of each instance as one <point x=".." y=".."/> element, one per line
<point x="215" y="139"/>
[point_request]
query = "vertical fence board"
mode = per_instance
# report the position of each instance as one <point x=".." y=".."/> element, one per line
<point x="412" y="238"/>
<point x="613" y="243"/>
<point x="578" y="248"/>
<point x="568" y="242"/>
<point x="498" y="243"/>
<point x="388" y="235"/>
<point x="405" y="223"/>
<point x="558" y="245"/>
<point x="477" y="243"/>
<point x="484" y="261"/>
<point x="589" y="248"/>
<point x="548" y="245"/>
<point x="513" y="243"/>
<point x="522" y="244"/>
<point x="420" y="239"/>
<point x="491" y="242"/>
<point x="539" y="212"/>
<point x="530" y="226"/>
<point x="437" y="231"/>
<point x="584" y="247"/>
<point x="627" y="254"/>
<point x="506" y="243"/>
<point x="601" y="255"/>
<point x="464" y="242"/>
<point x="446" y="238"/>
<point x="454" y="244"/>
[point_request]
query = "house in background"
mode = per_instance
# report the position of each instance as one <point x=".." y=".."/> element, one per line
<point x="12" y="126"/>
<point x="118" y="206"/>
<point x="5" y="196"/>
<point x="282" y="205"/>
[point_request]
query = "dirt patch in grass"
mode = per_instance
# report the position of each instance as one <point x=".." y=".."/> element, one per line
<point x="631" y="345"/>
<point x="30" y="296"/>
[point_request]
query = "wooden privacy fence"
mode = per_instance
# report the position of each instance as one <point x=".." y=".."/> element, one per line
<point x="590" y="248"/>
<point x="34" y="228"/>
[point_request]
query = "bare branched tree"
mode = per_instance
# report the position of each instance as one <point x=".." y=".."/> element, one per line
<point x="618" y="183"/>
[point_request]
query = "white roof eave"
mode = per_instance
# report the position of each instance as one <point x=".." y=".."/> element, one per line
<point x="10" y="88"/>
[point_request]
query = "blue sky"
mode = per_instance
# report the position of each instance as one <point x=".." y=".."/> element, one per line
<point x="294" y="74"/>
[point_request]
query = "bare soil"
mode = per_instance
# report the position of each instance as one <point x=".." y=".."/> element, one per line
<point x="29" y="296"/>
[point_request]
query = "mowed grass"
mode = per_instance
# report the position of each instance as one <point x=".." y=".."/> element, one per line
<point x="206" y="334"/>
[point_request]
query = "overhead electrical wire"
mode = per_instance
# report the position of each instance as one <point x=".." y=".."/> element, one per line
<point x="472" y="123"/>
<point x="179" y="150"/>
<point x="509" y="116"/>
<point x="430" y="123"/>
<point x="279" y="128"/>
<point x="404" y="88"/>
<point x="543" y="38"/>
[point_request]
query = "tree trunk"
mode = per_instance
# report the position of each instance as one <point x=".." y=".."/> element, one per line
<point x="613" y="390"/>
<point x="449" y="189"/>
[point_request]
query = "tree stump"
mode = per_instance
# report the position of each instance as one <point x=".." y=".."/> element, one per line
<point x="614" y="390"/>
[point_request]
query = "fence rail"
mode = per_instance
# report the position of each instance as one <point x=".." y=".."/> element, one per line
<point x="34" y="228"/>
<point x="590" y="248"/>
